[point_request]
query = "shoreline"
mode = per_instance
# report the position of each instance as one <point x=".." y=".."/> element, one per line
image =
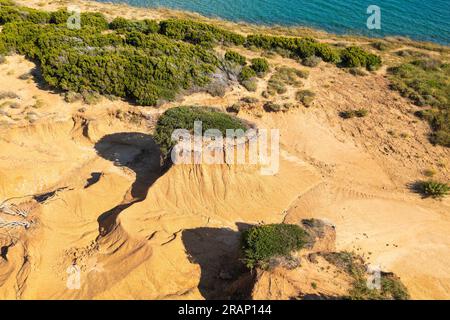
<point x="111" y="10"/>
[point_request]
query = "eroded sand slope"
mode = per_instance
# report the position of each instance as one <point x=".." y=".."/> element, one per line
<point x="89" y="179"/>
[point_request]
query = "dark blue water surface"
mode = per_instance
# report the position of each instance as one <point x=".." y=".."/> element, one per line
<point x="418" y="19"/>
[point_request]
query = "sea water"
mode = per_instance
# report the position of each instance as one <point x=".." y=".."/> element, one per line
<point x="427" y="20"/>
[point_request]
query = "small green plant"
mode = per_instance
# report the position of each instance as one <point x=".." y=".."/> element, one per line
<point x="251" y="84"/>
<point x="272" y="107"/>
<point x="357" y="72"/>
<point x="358" y="113"/>
<point x="2" y="59"/>
<point x="433" y="189"/>
<point x="306" y="97"/>
<point x="382" y="45"/>
<point x="246" y="74"/>
<point x="260" y="66"/>
<point x="311" y="61"/>
<point x="260" y="243"/>
<point x="235" y="108"/>
<point x="429" y="173"/>
<point x="283" y="77"/>
<point x="235" y="57"/>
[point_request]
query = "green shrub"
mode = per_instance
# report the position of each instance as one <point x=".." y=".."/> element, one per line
<point x="235" y="108"/>
<point x="251" y="84"/>
<point x="358" y="113"/>
<point x="272" y="107"/>
<point x="235" y="57"/>
<point x="144" y="26"/>
<point x="433" y="189"/>
<point x="199" y="33"/>
<point x="304" y="48"/>
<point x="381" y="45"/>
<point x="246" y="74"/>
<point x="311" y="61"/>
<point x="306" y="97"/>
<point x="356" y="57"/>
<point x="260" y="66"/>
<point x="260" y="243"/>
<point x="357" y="72"/>
<point x="184" y="117"/>
<point x="146" y="68"/>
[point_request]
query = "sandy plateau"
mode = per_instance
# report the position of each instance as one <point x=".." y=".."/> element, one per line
<point x="89" y="178"/>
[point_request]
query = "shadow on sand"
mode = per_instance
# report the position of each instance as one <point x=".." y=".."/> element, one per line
<point x="138" y="152"/>
<point x="217" y="251"/>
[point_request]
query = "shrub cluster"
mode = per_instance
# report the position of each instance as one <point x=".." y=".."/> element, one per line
<point x="235" y="57"/>
<point x="299" y="47"/>
<point x="427" y="83"/>
<point x="199" y="33"/>
<point x="247" y="78"/>
<point x="184" y="117"/>
<point x="144" y="26"/>
<point x="311" y="61"/>
<point x="143" y="61"/>
<point x="145" y="68"/>
<point x="260" y="243"/>
<point x="356" y="57"/>
<point x="260" y="66"/>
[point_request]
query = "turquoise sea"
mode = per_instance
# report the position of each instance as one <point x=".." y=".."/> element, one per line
<point x="418" y="19"/>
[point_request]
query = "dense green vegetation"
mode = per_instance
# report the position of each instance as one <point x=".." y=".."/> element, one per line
<point x="199" y="33"/>
<point x="391" y="288"/>
<point x="144" y="61"/>
<point x="184" y="117"/>
<point x="260" y="243"/>
<point x="144" y="26"/>
<point x="427" y="83"/>
<point x="235" y="57"/>
<point x="298" y="47"/>
<point x="146" y="68"/>
<point x="260" y="66"/>
<point x="305" y="48"/>
<point x="356" y="57"/>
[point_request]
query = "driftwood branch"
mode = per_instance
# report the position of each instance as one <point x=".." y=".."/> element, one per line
<point x="13" y="210"/>
<point x="14" y="224"/>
